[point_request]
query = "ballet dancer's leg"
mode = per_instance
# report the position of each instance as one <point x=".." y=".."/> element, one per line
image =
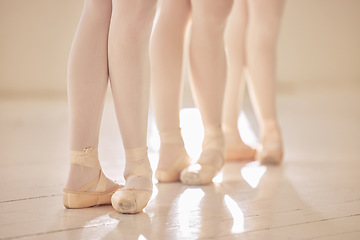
<point x="166" y="53"/>
<point x="263" y="29"/>
<point x="87" y="84"/>
<point x="235" y="36"/>
<point x="129" y="70"/>
<point x="208" y="71"/>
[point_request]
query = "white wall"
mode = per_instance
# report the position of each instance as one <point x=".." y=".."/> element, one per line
<point x="319" y="43"/>
<point x="35" y="39"/>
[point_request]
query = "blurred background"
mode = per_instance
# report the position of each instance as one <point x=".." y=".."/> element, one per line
<point x="319" y="44"/>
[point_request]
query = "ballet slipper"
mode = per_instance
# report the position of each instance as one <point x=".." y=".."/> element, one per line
<point x="172" y="173"/>
<point x="270" y="153"/>
<point x="239" y="151"/>
<point x="137" y="191"/>
<point x="130" y="201"/>
<point x="202" y="172"/>
<point x="83" y="198"/>
<point x="210" y="162"/>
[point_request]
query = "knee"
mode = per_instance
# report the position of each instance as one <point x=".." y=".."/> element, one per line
<point x="134" y="17"/>
<point x="265" y="20"/>
<point x="99" y="8"/>
<point x="134" y="12"/>
<point x="212" y="14"/>
<point x="176" y="13"/>
<point x="265" y="29"/>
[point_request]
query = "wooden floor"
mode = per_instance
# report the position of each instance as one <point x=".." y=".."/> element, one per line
<point x="315" y="194"/>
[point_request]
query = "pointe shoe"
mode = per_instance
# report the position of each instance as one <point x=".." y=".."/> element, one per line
<point x="130" y="200"/>
<point x="202" y="173"/>
<point x="239" y="151"/>
<point x="137" y="192"/>
<point x="82" y="198"/>
<point x="210" y="161"/>
<point x="270" y="152"/>
<point x="172" y="174"/>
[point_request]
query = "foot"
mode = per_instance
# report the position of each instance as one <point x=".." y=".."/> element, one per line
<point x="137" y="191"/>
<point x="210" y="161"/>
<point x="87" y="186"/>
<point x="202" y="172"/>
<point x="239" y="151"/>
<point x="236" y="149"/>
<point x="271" y="149"/>
<point x="173" y="157"/>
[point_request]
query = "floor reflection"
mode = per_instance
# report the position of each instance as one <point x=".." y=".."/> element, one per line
<point x="131" y="226"/>
<point x="214" y="210"/>
<point x="188" y="204"/>
<point x="244" y="203"/>
<point x="236" y="213"/>
<point x="252" y="173"/>
<point x="89" y="220"/>
<point x="226" y="208"/>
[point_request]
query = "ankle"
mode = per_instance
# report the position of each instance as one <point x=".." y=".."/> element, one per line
<point x="172" y="147"/>
<point x="271" y="134"/>
<point x="213" y="138"/>
<point x="169" y="153"/>
<point x="84" y="167"/>
<point x="230" y="130"/>
<point x="171" y="137"/>
<point x="213" y="149"/>
<point x="138" y="172"/>
<point x="232" y="137"/>
<point x="80" y="175"/>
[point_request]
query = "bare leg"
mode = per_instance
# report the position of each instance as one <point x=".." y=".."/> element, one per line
<point x="166" y="52"/>
<point x="129" y="69"/>
<point x="235" y="38"/>
<point x="87" y="84"/>
<point x="264" y="22"/>
<point x="208" y="70"/>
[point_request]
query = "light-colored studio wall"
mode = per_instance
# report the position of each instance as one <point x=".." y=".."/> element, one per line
<point x="36" y="36"/>
<point x="319" y="42"/>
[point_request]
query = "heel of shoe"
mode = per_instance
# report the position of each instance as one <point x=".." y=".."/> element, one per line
<point x="76" y="199"/>
<point x="234" y="154"/>
<point x="167" y="176"/>
<point x="173" y="173"/>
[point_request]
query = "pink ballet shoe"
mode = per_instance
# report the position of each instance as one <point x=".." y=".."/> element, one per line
<point x="270" y="152"/>
<point x="137" y="191"/>
<point x="239" y="151"/>
<point x="83" y="198"/>
<point x="209" y="165"/>
<point x="172" y="173"/>
<point x="211" y="159"/>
